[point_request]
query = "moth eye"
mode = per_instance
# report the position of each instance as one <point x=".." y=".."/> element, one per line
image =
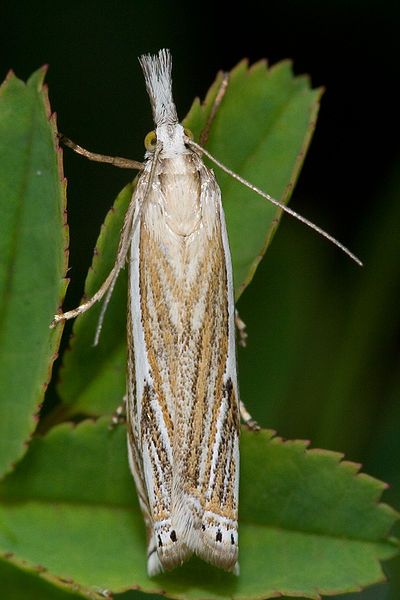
<point x="150" y="141"/>
<point x="188" y="133"/>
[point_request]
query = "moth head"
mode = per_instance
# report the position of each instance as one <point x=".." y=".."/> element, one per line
<point x="171" y="137"/>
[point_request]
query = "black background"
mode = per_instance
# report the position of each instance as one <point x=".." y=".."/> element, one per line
<point x="350" y="48"/>
<point x="96" y="87"/>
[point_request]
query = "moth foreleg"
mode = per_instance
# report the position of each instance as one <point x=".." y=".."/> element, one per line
<point x="115" y="161"/>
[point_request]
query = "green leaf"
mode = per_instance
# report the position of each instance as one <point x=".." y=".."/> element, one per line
<point x="309" y="524"/>
<point x="15" y="584"/>
<point x="261" y="130"/>
<point x="33" y="257"/>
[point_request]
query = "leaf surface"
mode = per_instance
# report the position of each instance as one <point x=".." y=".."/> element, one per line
<point x="33" y="240"/>
<point x="15" y="582"/>
<point x="309" y="524"/>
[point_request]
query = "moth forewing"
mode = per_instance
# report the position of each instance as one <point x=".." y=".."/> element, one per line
<point x="183" y="415"/>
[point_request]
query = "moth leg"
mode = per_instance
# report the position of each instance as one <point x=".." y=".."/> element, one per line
<point x="216" y="104"/>
<point x="104" y="593"/>
<point x="82" y="308"/>
<point x="241" y="328"/>
<point x="109" y="283"/>
<point x="119" y="415"/>
<point x="116" y="161"/>
<point x="248" y="419"/>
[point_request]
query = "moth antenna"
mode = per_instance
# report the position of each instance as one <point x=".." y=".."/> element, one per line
<point x="285" y="208"/>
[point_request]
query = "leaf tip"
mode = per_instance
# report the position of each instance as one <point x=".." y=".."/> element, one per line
<point x="284" y="64"/>
<point x="351" y="467"/>
<point x="336" y="457"/>
<point x="241" y="67"/>
<point x="10" y="75"/>
<point x="36" y="80"/>
<point x="261" y="64"/>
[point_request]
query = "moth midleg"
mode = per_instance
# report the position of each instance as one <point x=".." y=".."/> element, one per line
<point x="244" y="413"/>
<point x="119" y="414"/>
<point x="241" y="329"/>
<point x="247" y="419"/>
<point x="215" y="106"/>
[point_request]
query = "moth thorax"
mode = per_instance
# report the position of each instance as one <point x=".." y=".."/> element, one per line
<point x="171" y="136"/>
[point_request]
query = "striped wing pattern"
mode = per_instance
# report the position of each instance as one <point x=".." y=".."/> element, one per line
<point x="183" y="407"/>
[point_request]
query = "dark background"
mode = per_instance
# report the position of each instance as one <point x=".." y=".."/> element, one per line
<point x="323" y="359"/>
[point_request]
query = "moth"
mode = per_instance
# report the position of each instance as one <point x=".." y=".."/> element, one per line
<point x="182" y="406"/>
<point x="183" y="401"/>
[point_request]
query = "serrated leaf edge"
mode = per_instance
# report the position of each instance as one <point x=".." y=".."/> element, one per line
<point x="58" y="582"/>
<point x="37" y="80"/>
<point x="269" y="436"/>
